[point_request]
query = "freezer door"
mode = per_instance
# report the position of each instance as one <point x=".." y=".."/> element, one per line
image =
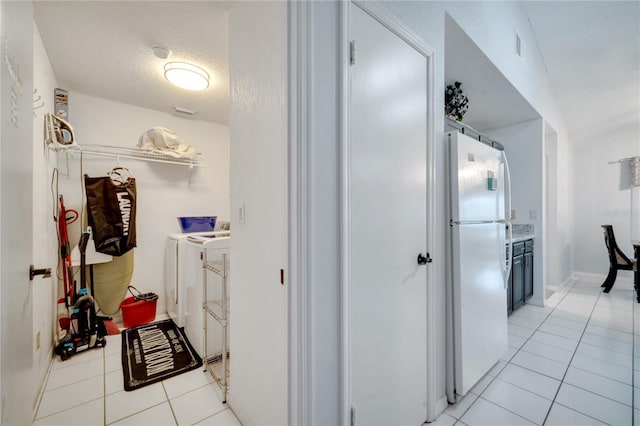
<point x="477" y="180"/>
<point x="479" y="301"/>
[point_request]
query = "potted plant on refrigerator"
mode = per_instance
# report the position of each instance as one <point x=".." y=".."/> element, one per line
<point x="456" y="103"/>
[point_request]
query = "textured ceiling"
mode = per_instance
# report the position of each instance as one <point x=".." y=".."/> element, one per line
<point x="103" y="48"/>
<point x="592" y="53"/>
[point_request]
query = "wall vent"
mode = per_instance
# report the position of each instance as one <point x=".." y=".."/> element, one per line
<point x="518" y="46"/>
<point x="184" y="111"/>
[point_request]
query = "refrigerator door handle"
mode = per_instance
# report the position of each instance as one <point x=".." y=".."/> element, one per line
<point x="507" y="216"/>
<point x="507" y="189"/>
<point x="508" y="255"/>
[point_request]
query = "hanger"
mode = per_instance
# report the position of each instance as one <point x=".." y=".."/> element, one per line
<point x="120" y="176"/>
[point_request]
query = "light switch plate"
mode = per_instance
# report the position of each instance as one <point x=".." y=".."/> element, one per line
<point x="242" y="213"/>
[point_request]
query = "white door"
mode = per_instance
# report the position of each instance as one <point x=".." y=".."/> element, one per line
<point x="16" y="156"/>
<point x="387" y="198"/>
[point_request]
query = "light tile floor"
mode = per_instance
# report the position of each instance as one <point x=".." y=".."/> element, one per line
<point x="87" y="389"/>
<point x="574" y="362"/>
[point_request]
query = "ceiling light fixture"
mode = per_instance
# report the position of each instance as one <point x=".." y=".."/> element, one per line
<point x="186" y="76"/>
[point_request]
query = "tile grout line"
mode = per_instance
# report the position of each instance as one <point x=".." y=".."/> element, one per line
<point x="505" y="409"/>
<point x="633" y="357"/>
<point x="571" y="360"/>
<point x="210" y="416"/>
<point x="67" y="409"/>
<point x="520" y="387"/>
<point x="70" y="366"/>
<point x="173" y="413"/>
<point x="42" y="391"/>
<point x="573" y="409"/>
<point x="136" y="413"/>
<point x="582" y="354"/>
<point x="104" y="386"/>
<point x="600" y="375"/>
<point x="79" y="404"/>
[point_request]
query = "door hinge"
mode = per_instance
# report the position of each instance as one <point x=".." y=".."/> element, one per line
<point x="352" y="52"/>
<point x="353" y="416"/>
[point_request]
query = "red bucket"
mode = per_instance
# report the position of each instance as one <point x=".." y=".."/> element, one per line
<point x="137" y="310"/>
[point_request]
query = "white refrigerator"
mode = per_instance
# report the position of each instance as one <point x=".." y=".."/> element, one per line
<point x="480" y="255"/>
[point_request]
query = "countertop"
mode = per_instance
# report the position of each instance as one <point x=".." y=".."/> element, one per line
<point x="522" y="232"/>
<point x="522" y="237"/>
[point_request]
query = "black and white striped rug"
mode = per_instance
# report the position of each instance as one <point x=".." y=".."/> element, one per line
<point x="154" y="352"/>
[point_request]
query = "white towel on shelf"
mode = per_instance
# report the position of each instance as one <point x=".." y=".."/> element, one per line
<point x="167" y="142"/>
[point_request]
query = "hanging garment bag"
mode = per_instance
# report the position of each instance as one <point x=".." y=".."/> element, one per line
<point x="111" y="208"/>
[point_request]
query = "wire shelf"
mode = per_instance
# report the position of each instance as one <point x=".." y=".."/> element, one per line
<point x="133" y="153"/>
<point x="217" y="370"/>
<point x="218" y="267"/>
<point x="218" y="310"/>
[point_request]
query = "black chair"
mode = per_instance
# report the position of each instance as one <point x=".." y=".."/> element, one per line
<point x="617" y="259"/>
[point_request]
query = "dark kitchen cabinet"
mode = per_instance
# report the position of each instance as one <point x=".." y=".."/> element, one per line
<point x="510" y="294"/>
<point x="520" y="284"/>
<point x="528" y="269"/>
<point x="517" y="275"/>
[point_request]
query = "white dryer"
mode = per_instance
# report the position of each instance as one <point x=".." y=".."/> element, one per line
<point x="177" y="270"/>
<point x="174" y="276"/>
<point x="193" y="290"/>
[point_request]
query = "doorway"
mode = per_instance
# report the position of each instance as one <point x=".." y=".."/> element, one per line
<point x="258" y="167"/>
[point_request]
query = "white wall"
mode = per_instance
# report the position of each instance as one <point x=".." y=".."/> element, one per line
<point x="258" y="127"/>
<point x="162" y="190"/>
<point x="45" y="244"/>
<point x="599" y="200"/>
<point x="523" y="145"/>
<point x="491" y="26"/>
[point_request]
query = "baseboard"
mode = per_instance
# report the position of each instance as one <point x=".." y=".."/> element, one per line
<point x="237" y="410"/>
<point x="571" y="278"/>
<point x="43" y="381"/>
<point x="536" y="301"/>
<point x="566" y="282"/>
<point x="601" y="277"/>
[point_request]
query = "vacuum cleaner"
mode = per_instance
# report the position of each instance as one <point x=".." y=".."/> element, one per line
<point x="84" y="328"/>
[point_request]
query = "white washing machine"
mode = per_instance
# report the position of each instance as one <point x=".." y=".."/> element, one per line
<point x="193" y="291"/>
<point x="176" y="272"/>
